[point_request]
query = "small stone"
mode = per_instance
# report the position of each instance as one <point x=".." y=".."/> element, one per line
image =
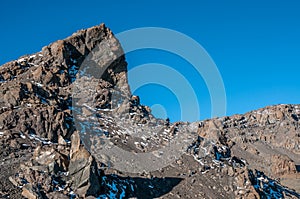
<point x="226" y="188"/>
<point x="29" y="192"/>
<point x="230" y="172"/>
<point x="56" y="195"/>
<point x="61" y="140"/>
<point x="13" y="181"/>
<point x="90" y="197"/>
<point x="75" y="143"/>
<point x="86" y="112"/>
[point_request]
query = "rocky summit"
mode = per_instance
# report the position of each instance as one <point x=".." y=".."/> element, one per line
<point x="70" y="128"/>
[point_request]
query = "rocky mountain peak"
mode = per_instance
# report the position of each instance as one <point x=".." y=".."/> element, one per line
<point x="60" y="107"/>
<point x="38" y="87"/>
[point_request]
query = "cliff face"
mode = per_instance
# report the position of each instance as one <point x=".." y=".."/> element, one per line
<point x="37" y="89"/>
<point x="75" y="92"/>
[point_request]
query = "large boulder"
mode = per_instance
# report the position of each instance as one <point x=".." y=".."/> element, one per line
<point x="83" y="169"/>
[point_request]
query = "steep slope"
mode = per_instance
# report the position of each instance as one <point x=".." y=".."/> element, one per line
<point x="65" y="108"/>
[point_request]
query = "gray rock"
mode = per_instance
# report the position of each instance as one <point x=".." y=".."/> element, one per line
<point x="83" y="170"/>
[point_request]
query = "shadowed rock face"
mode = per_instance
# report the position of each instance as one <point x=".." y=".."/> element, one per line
<point x="36" y="90"/>
<point x="48" y="108"/>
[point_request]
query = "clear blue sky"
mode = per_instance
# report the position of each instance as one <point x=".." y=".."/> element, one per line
<point x="255" y="44"/>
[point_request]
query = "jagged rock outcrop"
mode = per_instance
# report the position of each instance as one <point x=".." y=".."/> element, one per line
<point x="267" y="139"/>
<point x="58" y="106"/>
<point x="36" y="90"/>
<point x="36" y="110"/>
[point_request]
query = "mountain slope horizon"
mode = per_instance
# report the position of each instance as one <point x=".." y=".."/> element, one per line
<point x="62" y="110"/>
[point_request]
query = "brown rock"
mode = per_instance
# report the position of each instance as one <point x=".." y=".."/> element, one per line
<point x="48" y="77"/>
<point x="252" y="150"/>
<point x="10" y="99"/>
<point x="37" y="99"/>
<point x="75" y="146"/>
<point x="61" y="140"/>
<point x="51" y="158"/>
<point x="83" y="169"/>
<point x="13" y="181"/>
<point x="56" y="195"/>
<point x="282" y="164"/>
<point x="230" y="171"/>
<point x="37" y="74"/>
<point x="86" y="112"/>
<point x="28" y="191"/>
<point x="279" y="115"/>
<point x="252" y="194"/>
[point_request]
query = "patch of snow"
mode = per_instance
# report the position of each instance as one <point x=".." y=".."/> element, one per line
<point x="244" y="161"/>
<point x="37" y="138"/>
<point x="87" y="106"/>
<point x="260" y="178"/>
<point x="144" y="138"/>
<point x="32" y="64"/>
<point x="216" y="162"/>
<point x="206" y="152"/>
<point x="144" y="144"/>
<point x="204" y="172"/>
<point x="266" y="111"/>
<point x="21" y="60"/>
<point x="65" y="173"/>
<point x="151" y="186"/>
<point x="72" y="194"/>
<point x="22" y="136"/>
<point x="39" y="84"/>
<point x="269" y="188"/>
<point x="198" y="160"/>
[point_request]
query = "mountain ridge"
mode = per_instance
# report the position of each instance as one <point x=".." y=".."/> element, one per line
<point x="49" y="150"/>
